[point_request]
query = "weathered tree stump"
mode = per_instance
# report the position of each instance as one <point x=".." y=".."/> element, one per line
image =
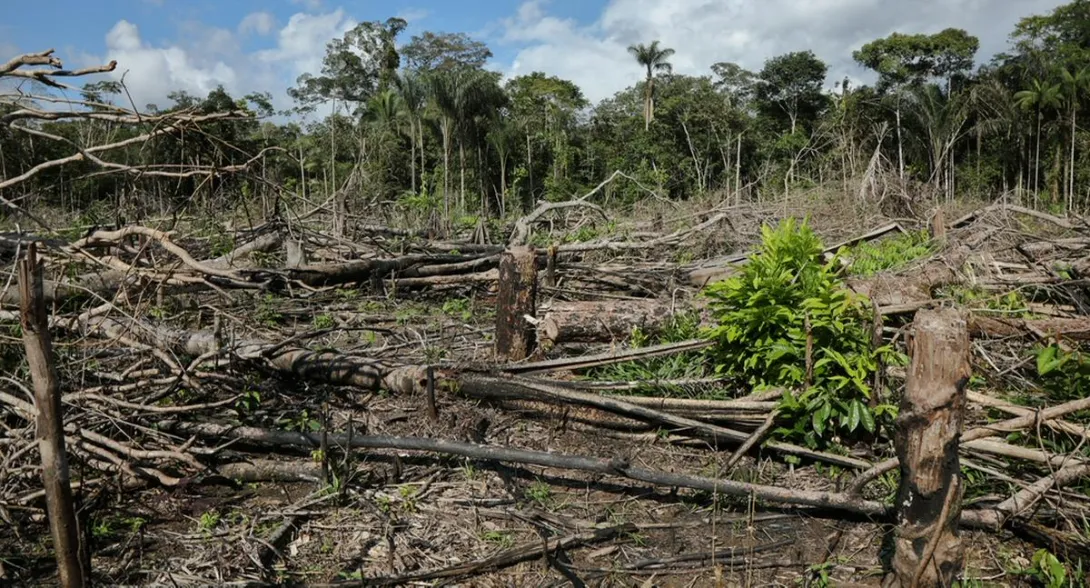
<point x="516" y="299"/>
<point x="927" y="548"/>
<point x="938" y="225"/>
<point x="50" y="424"/>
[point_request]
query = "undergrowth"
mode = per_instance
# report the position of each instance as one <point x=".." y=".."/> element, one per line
<point x="869" y="258"/>
<point x="787" y="321"/>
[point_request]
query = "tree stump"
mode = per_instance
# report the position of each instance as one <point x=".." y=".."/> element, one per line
<point x="516" y="299"/>
<point x="938" y="225"/>
<point x="927" y="548"/>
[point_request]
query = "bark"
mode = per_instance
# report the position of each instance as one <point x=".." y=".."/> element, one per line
<point x="50" y="424"/>
<point x="927" y="547"/>
<point x="517" y="299"/>
<point x="610" y="320"/>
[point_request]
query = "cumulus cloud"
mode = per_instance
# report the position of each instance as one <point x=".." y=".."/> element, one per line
<point x="261" y="23"/>
<point x="746" y="32"/>
<point x="153" y="72"/>
<point x="206" y="56"/>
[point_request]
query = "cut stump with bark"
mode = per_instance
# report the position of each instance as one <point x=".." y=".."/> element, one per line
<point x="516" y="300"/>
<point x="927" y="548"/>
<point x="50" y="423"/>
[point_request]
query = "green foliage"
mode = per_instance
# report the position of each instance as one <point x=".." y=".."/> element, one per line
<point x="867" y="259"/>
<point x="324" y="321"/>
<point x="1065" y="375"/>
<point x="681" y="366"/>
<point x="765" y="316"/>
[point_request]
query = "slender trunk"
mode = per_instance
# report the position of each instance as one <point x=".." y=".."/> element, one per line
<point x="530" y="171"/>
<point x="412" y="158"/>
<point x="1037" y="160"/>
<point x="1071" y="169"/>
<point x="647" y="104"/>
<point x="480" y="183"/>
<point x="461" y="177"/>
<point x="446" y="171"/>
<point x="738" y="172"/>
<point x="900" y="145"/>
<point x="503" y="186"/>
<point x="420" y="130"/>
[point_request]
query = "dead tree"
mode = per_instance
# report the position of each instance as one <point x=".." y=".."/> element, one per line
<point x="516" y="300"/>
<point x="50" y="422"/>
<point x="927" y="548"/>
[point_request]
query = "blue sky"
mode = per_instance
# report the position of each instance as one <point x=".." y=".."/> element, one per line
<point x="247" y="45"/>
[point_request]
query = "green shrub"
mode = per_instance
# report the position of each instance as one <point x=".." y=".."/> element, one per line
<point x="766" y="313"/>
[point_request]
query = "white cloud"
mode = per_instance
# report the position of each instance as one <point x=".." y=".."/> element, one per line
<point x="301" y="43"/>
<point x="743" y="31"/>
<point x="152" y="72"/>
<point x="261" y="23"/>
<point x="209" y="56"/>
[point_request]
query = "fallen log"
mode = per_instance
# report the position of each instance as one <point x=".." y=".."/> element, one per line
<point x="842" y="502"/>
<point x="328" y="367"/>
<point x="515" y="388"/>
<point x="594" y="321"/>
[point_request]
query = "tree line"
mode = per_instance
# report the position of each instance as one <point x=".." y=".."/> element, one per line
<point x="422" y="126"/>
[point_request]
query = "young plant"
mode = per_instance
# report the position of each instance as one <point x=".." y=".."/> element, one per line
<point x="787" y="321"/>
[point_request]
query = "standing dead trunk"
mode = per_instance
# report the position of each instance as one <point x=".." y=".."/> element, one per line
<point x="927" y="548"/>
<point x="50" y="423"/>
<point x="516" y="300"/>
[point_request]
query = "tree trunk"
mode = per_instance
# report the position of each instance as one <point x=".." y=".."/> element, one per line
<point x="50" y="424"/>
<point x="461" y="177"/>
<point x="927" y="547"/>
<point x="446" y="174"/>
<point x="517" y="299"/>
<point x="900" y="144"/>
<point x="412" y="158"/>
<point x="1071" y="169"/>
<point x="1037" y="160"/>
<point x="503" y="186"/>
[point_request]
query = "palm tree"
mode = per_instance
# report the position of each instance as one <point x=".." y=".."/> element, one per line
<point x="1039" y="96"/>
<point x="942" y="115"/>
<point x="1074" y="84"/>
<point x="502" y="138"/>
<point x="654" y="59"/>
<point x="413" y="95"/>
<point x="460" y="96"/>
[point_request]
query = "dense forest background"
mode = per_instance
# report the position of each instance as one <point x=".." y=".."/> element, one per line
<point x="420" y="127"/>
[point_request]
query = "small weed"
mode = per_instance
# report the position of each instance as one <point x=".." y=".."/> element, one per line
<point x="324" y="321"/>
<point x="266" y="312"/>
<point x="540" y="492"/>
<point x="502" y="539"/>
<point x="346" y="294"/>
<point x="458" y="307"/>
<point x="208" y="521"/>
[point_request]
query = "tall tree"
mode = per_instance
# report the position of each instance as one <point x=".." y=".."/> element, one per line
<point x="413" y="92"/>
<point x="1039" y="96"/>
<point x="354" y="67"/>
<point x="1074" y="84"/>
<point x="654" y="59"/>
<point x="431" y="51"/>
<point x="790" y="86"/>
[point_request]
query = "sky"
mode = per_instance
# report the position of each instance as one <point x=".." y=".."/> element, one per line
<point x="252" y="45"/>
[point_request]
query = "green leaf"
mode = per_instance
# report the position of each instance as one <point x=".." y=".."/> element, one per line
<point x="1046" y="360"/>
